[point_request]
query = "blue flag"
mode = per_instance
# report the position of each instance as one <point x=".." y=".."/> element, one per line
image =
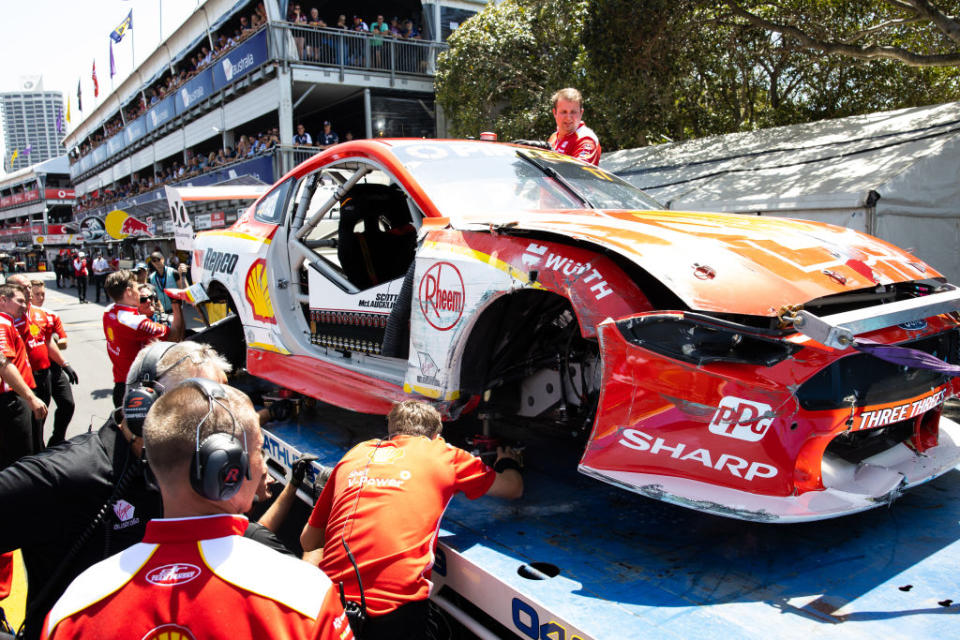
<point x="127" y="24"/>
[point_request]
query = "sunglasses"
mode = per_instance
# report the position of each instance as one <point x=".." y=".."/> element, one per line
<point x="145" y="299"/>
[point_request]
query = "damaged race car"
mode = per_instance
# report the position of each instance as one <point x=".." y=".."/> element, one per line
<point x="756" y="368"/>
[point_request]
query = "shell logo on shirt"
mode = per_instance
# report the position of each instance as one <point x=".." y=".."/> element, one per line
<point x="169" y="632"/>
<point x="385" y="455"/>
<point x="110" y="334"/>
<point x="258" y="292"/>
<point x="34" y="330"/>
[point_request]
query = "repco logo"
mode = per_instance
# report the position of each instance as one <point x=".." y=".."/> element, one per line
<point x="741" y="419"/>
<point x="442" y="296"/>
<point x="220" y="261"/>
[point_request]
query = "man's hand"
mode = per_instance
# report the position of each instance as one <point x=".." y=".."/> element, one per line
<point x="71" y="374"/>
<point x="299" y="469"/>
<point x="37" y="407"/>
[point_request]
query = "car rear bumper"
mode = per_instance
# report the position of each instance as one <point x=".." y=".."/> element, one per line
<point x="851" y="488"/>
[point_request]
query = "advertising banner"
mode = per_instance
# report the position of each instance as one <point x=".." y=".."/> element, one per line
<point x="115" y="143"/>
<point x="240" y="61"/>
<point x="182" y="228"/>
<point x="135" y="130"/>
<point x="160" y="113"/>
<point x="58" y="238"/>
<point x="59" y="194"/>
<point x="120" y="224"/>
<point x="92" y="229"/>
<point x="199" y="88"/>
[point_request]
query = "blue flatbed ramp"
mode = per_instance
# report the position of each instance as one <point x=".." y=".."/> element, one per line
<point x="631" y="567"/>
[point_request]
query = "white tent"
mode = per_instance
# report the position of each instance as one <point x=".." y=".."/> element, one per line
<point x="895" y="175"/>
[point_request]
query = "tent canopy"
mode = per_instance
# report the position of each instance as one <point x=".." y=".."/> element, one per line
<point x="892" y="174"/>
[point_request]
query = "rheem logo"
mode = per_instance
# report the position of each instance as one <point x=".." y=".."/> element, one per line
<point x="441" y="296"/>
<point x="741" y="419"/>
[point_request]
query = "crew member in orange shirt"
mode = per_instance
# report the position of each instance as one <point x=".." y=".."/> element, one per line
<point x="384" y="501"/>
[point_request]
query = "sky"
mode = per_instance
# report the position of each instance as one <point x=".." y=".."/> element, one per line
<point x="60" y="39"/>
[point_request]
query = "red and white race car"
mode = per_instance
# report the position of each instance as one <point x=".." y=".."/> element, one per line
<point x="756" y="368"/>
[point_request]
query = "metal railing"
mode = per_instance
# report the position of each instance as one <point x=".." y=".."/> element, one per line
<point x="355" y="50"/>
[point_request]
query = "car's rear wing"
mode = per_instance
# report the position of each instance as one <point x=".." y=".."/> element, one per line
<point x="840" y="330"/>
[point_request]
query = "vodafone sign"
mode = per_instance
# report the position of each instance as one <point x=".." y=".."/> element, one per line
<point x="441" y="296"/>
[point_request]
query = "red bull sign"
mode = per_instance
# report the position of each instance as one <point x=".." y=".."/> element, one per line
<point x="120" y="224"/>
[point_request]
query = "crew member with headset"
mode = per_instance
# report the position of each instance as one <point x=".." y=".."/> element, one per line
<point x="379" y="512"/>
<point x="89" y="497"/>
<point x="205" y="448"/>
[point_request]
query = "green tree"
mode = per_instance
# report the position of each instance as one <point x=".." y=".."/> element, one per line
<point x="504" y="63"/>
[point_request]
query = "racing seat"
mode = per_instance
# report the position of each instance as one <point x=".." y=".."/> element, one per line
<point x="385" y="246"/>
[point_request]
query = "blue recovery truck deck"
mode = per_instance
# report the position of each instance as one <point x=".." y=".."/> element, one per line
<point x="575" y="558"/>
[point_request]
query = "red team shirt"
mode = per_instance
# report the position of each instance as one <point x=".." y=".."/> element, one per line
<point x="196" y="579"/>
<point x="36" y="328"/>
<point x="55" y="321"/>
<point x="127" y="332"/>
<point x="407" y="482"/>
<point x="13" y="347"/>
<point x="582" y="143"/>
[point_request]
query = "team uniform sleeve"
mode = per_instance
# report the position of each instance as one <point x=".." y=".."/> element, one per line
<point x="332" y="623"/>
<point x="6" y="344"/>
<point x="587" y="150"/>
<point x="259" y="533"/>
<point x="473" y="476"/>
<point x="57" y="325"/>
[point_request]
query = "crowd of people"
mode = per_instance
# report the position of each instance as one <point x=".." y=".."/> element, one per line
<point x="235" y="32"/>
<point x="88" y="506"/>
<point x="197" y="163"/>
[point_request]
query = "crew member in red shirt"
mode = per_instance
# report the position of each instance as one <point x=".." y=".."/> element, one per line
<point x="36" y="329"/>
<point x="60" y="381"/>
<point x="194" y="576"/>
<point x="81" y="274"/>
<point x="18" y="402"/>
<point x="573" y="137"/>
<point x="128" y="331"/>
<point x="384" y="499"/>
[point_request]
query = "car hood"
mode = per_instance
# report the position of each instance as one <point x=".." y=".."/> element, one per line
<point x="730" y="263"/>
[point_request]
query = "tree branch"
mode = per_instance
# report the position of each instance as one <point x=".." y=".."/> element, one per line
<point x="870" y="52"/>
<point x="945" y="24"/>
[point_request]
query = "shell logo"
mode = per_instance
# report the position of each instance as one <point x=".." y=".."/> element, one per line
<point x="110" y="334"/>
<point x="169" y="632"/>
<point x="385" y="455"/>
<point x="34" y="330"/>
<point x="258" y="292"/>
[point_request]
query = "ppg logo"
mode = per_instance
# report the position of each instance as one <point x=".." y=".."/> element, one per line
<point x="741" y="419"/>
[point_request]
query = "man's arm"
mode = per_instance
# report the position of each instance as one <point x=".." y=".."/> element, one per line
<point x="177" y="327"/>
<point x="10" y="375"/>
<point x="312" y="538"/>
<point x="55" y="356"/>
<point x="274" y="516"/>
<point x="509" y="481"/>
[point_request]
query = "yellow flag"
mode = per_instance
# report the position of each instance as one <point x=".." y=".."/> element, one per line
<point x="16" y="152"/>
<point x="68" y="108"/>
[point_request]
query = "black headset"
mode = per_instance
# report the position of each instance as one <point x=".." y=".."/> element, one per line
<point x="221" y="460"/>
<point x="141" y="396"/>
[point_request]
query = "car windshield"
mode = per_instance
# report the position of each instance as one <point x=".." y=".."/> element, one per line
<point x="463" y="178"/>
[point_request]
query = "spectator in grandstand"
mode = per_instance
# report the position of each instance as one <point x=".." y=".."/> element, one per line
<point x="301" y="137"/>
<point x="329" y="137"/>
<point x="378" y="28"/>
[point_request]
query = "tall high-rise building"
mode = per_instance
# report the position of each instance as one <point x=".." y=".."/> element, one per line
<point x="30" y="124"/>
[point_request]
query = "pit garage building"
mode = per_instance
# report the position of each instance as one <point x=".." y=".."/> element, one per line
<point x="894" y="174"/>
